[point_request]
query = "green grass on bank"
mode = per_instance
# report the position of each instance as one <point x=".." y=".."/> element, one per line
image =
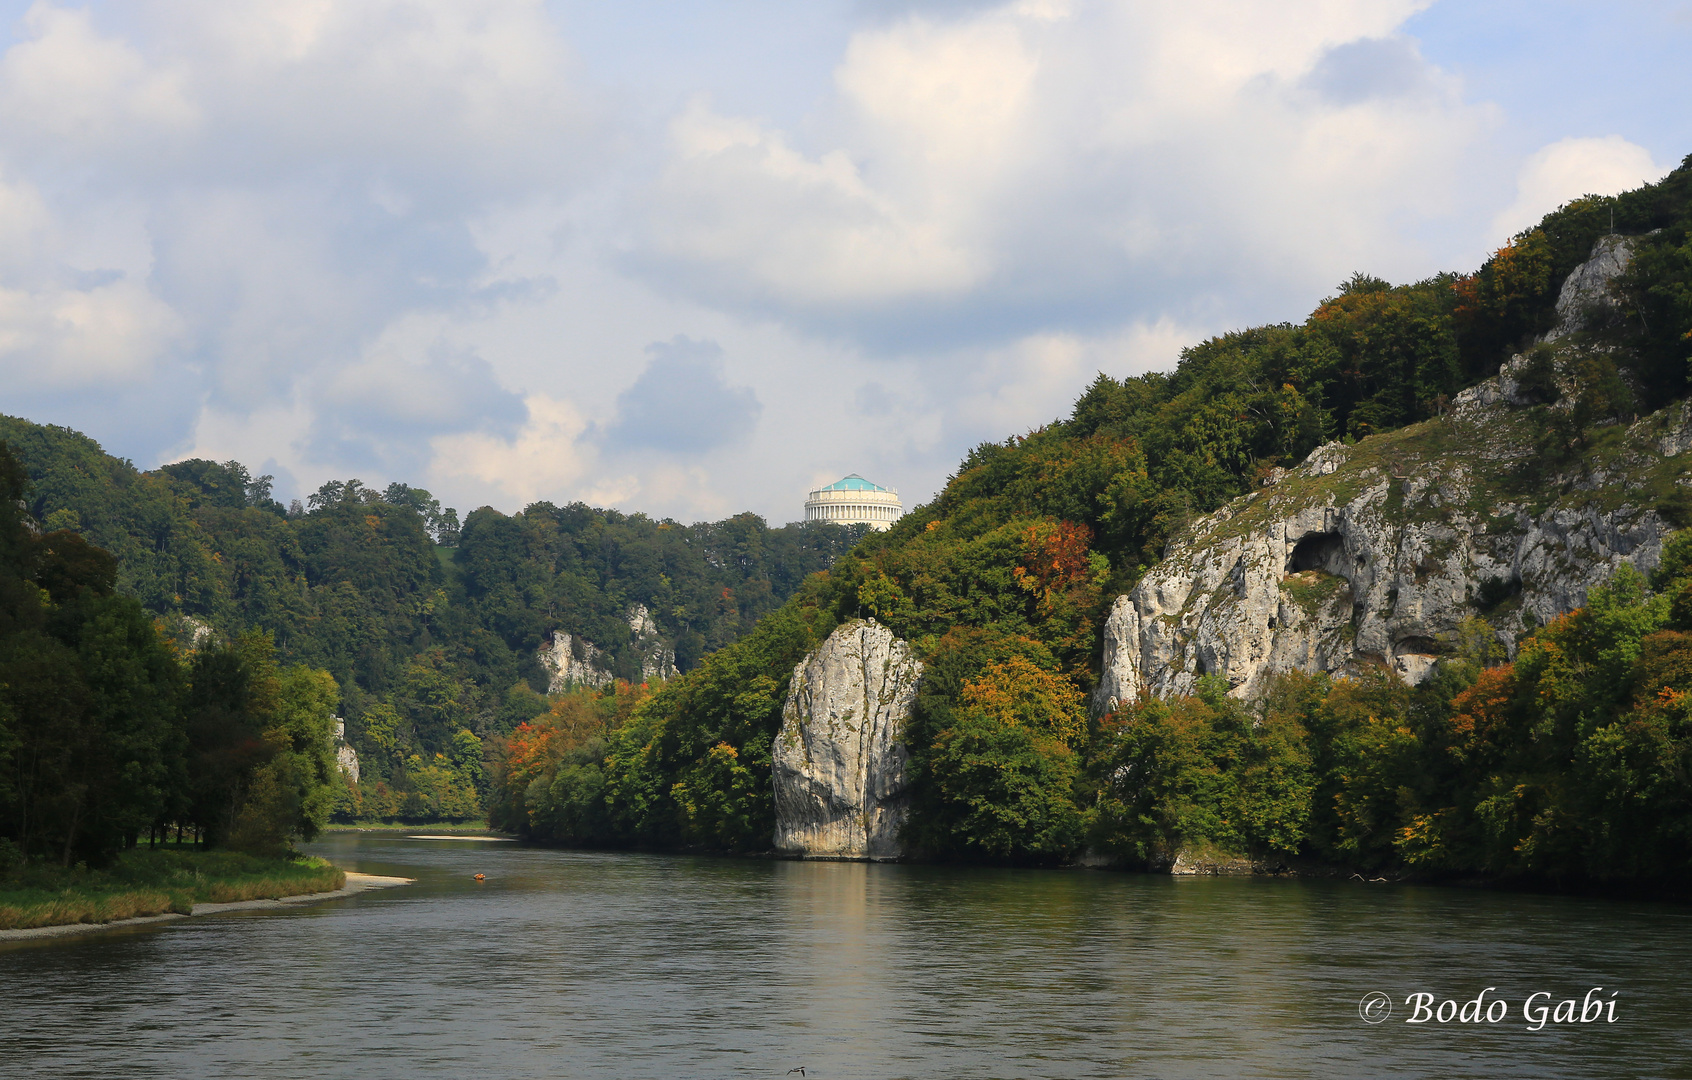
<point x="467" y="827"/>
<point x="152" y="882"/>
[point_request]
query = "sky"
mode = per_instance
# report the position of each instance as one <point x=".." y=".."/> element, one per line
<point x="693" y="259"/>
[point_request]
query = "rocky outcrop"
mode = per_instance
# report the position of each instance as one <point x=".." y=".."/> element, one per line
<point x="839" y="761"/>
<point x="657" y="656"/>
<point x="1585" y="296"/>
<point x="1386" y="552"/>
<point x="572" y="660"/>
<point x="345" y="756"/>
<point x="1369" y="555"/>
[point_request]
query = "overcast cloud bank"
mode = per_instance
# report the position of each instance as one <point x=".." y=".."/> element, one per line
<point x="421" y="240"/>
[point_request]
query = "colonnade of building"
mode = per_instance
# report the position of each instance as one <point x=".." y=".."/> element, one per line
<point x="855" y="501"/>
<point x="852" y="513"/>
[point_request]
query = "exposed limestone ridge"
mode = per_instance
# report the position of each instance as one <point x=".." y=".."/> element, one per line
<point x="345" y="756"/>
<point x="571" y="661"/>
<point x="839" y="759"/>
<point x="1374" y="554"/>
<point x="1585" y="295"/>
<point x="657" y="656"/>
<point x="1584" y="302"/>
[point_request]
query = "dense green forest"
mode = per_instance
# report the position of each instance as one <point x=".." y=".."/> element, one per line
<point x="429" y="627"/>
<point x="1573" y="760"/>
<point x="107" y="733"/>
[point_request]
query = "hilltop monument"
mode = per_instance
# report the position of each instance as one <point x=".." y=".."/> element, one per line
<point x="855" y="501"/>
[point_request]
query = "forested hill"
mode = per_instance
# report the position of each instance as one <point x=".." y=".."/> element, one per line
<point x="434" y="623"/>
<point x="1002" y="582"/>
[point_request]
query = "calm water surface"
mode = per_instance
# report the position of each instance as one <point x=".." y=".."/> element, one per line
<point x="572" y="964"/>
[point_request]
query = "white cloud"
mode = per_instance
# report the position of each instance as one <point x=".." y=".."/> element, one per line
<point x="254" y="202"/>
<point x="431" y="94"/>
<point x="795" y="230"/>
<point x="68" y="87"/>
<point x="274" y="434"/>
<point x="546" y="459"/>
<point x="1036" y="379"/>
<point x="25" y="226"/>
<point x="403" y="240"/>
<point x="69" y="327"/>
<point x="1026" y="166"/>
<point x="1568" y="169"/>
<point x="69" y="338"/>
<point x="683" y="403"/>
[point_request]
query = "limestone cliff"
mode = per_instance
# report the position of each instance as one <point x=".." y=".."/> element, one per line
<point x="1374" y="554"/>
<point x="572" y="660"/>
<point x="839" y="763"/>
<point x="657" y="656"/>
<point x="345" y="756"/>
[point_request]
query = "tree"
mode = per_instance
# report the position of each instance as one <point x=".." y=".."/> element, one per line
<point x="1002" y="773"/>
<point x="1202" y="771"/>
<point x="232" y="698"/>
<point x="90" y="723"/>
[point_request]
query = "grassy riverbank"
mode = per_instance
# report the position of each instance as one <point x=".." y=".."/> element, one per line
<point x="153" y="882"/>
<point x="439" y="827"/>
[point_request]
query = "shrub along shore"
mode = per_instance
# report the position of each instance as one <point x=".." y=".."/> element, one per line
<point x="144" y="882"/>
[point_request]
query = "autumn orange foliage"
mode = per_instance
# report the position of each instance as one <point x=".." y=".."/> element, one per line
<point x="1480" y="721"/>
<point x="1056" y="558"/>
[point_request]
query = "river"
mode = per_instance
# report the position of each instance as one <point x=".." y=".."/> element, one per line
<point x="583" y="964"/>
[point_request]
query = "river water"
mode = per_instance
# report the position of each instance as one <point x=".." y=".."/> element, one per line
<point x="581" y="964"/>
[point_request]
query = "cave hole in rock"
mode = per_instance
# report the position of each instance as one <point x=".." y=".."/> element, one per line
<point x="1318" y="551"/>
<point x="1425" y="645"/>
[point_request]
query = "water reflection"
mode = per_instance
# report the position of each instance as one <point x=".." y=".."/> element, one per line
<point x="568" y="964"/>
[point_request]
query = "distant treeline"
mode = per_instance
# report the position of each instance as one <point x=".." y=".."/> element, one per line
<point x="1573" y="760"/>
<point x="430" y="627"/>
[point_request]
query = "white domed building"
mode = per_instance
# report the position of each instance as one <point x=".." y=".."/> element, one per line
<point x="855" y="501"/>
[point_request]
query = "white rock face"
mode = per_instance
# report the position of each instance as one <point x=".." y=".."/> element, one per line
<point x="1374" y="554"/>
<point x="1583" y="300"/>
<point x="566" y="669"/>
<point x="559" y="655"/>
<point x="1339" y="567"/>
<point x="657" y="656"/>
<point x="839" y="760"/>
<point x="345" y="756"/>
<point x="1376" y="569"/>
<point x="1586" y="291"/>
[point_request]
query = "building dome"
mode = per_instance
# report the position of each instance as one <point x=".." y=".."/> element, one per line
<point x="855" y="501"/>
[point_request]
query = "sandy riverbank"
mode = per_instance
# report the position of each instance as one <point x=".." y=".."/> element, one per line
<point x="356" y="883"/>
